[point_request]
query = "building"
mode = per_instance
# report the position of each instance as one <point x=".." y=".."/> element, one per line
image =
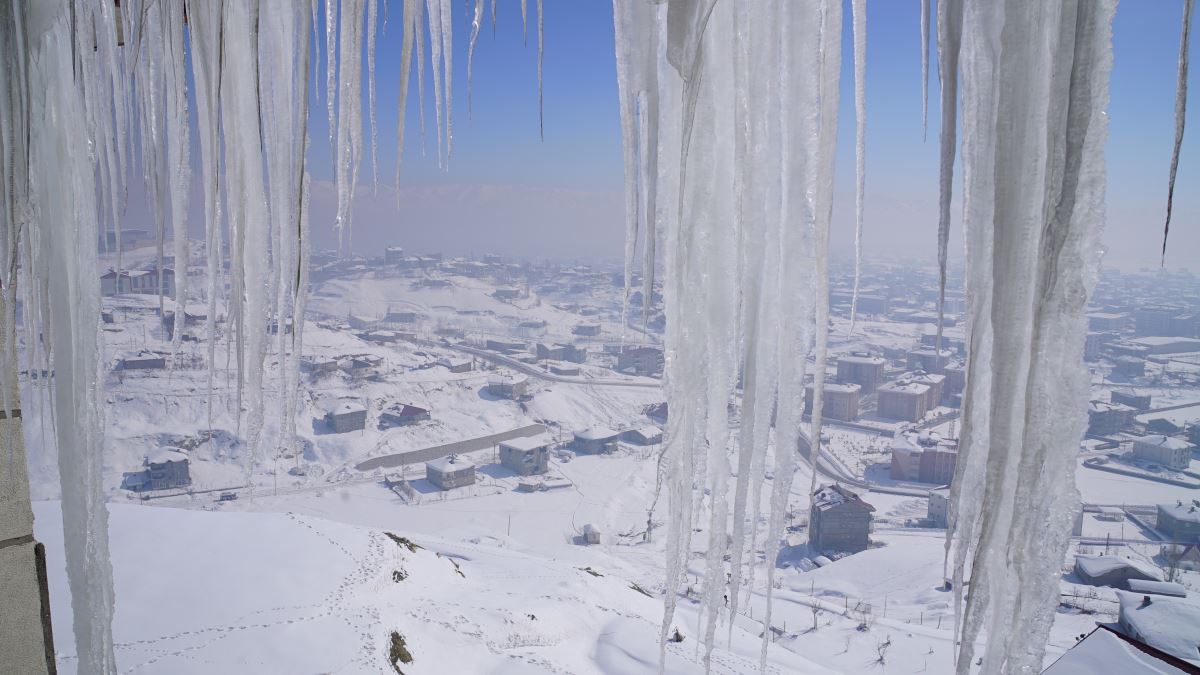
<point x="508" y="386"/>
<point x="396" y="318"/>
<point x="166" y="469"/>
<point x="450" y="472"/>
<point x="865" y="371"/>
<point x="595" y="440"/>
<point x="939" y="507"/>
<point x="956" y="379"/>
<point x="839" y="520"/>
<point x="1165" y="623"/>
<point x="1131" y="398"/>
<point x="1157" y="588"/>
<point x="646" y="361"/>
<point x="923" y="458"/>
<point x="937" y="387"/>
<point x="1106" y="650"/>
<point x="526" y="456"/>
<point x="457" y="365"/>
<point x="902" y="400"/>
<point x="1091" y="346"/>
<point x="393" y="255"/>
<point x="317" y="365"/>
<point x="647" y="435"/>
<point x="561" y="352"/>
<point x="402" y="414"/>
<point x="506" y="293"/>
<point x="1129" y="366"/>
<point x="1103" y="322"/>
<point x="1171" y="452"/>
<point x="142" y="360"/>
<point x="1106" y="419"/>
<point x="1167" y="345"/>
<point x="1109" y="570"/>
<point x="345" y="417"/>
<point x="929" y="360"/>
<point x="840" y="401"/>
<point x="505" y="346"/>
<point x="1180" y="521"/>
<point x="143" y="282"/>
<point x="587" y="329"/>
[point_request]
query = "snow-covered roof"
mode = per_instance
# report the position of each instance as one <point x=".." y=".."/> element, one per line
<point x="837" y="387"/>
<point x="1165" y="623"/>
<point x="526" y="444"/>
<point x="1157" y="588"/>
<point x="1159" y="341"/>
<point x="829" y="496"/>
<point x="1099" y="565"/>
<point x="450" y="463"/>
<point x="1107" y="406"/>
<point x="165" y="455"/>
<point x="943" y="492"/>
<point x="874" y="360"/>
<point x="1161" y="441"/>
<point x="1104" y="651"/>
<point x="648" y="431"/>
<point x="596" y="434"/>
<point x="1181" y="510"/>
<point x="910" y="388"/>
<point x="347" y="407"/>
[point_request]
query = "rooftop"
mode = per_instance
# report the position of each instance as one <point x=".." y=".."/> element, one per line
<point x="450" y="463"/>
<point x="527" y="443"/>
<point x="596" y="434"/>
<point x="1161" y="441"/>
<point x="1181" y="510"/>
<point x="1164" y="623"/>
<point x="1099" y="565"/>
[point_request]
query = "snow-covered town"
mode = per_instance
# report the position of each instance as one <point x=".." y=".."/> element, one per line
<point x="505" y="418"/>
<point x="618" y="338"/>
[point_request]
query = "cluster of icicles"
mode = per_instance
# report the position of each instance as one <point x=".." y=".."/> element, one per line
<point x="729" y="116"/>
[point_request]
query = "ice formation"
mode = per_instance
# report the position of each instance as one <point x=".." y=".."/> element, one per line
<point x="744" y="193"/>
<point x="859" y="17"/>
<point x="1180" y="113"/>
<point x="1033" y="203"/>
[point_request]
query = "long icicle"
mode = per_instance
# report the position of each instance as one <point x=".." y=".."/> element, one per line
<point x="540" y="52"/>
<point x="949" y="27"/>
<point x="372" y="24"/>
<point x="859" y="18"/>
<point x="924" y="68"/>
<point x="476" y="20"/>
<point x="410" y="24"/>
<point x="1180" y="115"/>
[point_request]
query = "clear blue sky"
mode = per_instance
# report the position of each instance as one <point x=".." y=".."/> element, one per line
<point x="509" y="192"/>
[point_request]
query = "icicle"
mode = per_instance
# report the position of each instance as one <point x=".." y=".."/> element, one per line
<point x="248" y="215"/>
<point x="949" y="29"/>
<point x="524" y="21"/>
<point x="1034" y="202"/>
<point x="331" y="27"/>
<point x="859" y="18"/>
<point x="53" y="179"/>
<point x="433" y="10"/>
<point x="204" y="29"/>
<point x="541" y="101"/>
<point x="411" y="24"/>
<point x="493" y="18"/>
<point x="1180" y="115"/>
<point x="372" y="13"/>
<point x="419" y="49"/>
<point x="349" y="119"/>
<point x="476" y="19"/>
<point x="924" y="68"/>
<point x="178" y="159"/>
<point x="283" y="64"/>
<point x="447" y="32"/>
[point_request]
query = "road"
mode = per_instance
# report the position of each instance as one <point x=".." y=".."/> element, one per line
<point x="501" y="360"/>
<point x="434" y="452"/>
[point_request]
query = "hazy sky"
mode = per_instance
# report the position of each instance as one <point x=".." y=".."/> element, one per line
<point x="508" y="192"/>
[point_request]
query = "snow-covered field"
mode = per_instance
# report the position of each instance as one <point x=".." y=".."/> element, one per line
<point x="299" y="574"/>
